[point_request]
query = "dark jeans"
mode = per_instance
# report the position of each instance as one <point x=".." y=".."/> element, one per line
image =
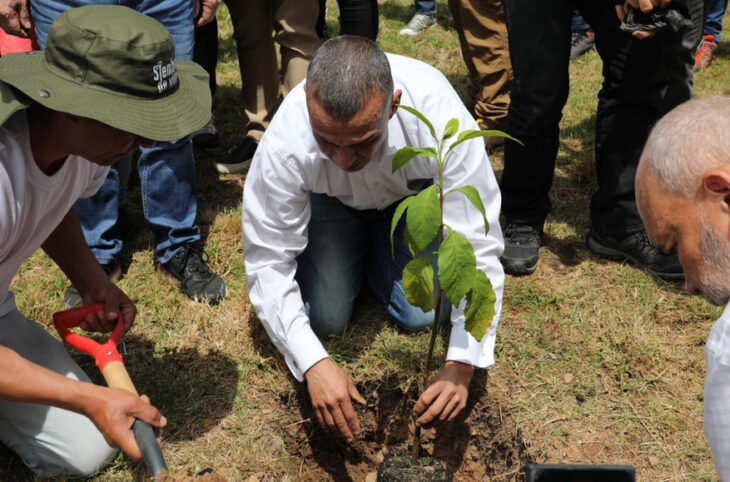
<point x="630" y="101"/>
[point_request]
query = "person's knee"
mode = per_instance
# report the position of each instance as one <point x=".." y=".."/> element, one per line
<point x="82" y="459"/>
<point x="412" y="319"/>
<point x="329" y="317"/>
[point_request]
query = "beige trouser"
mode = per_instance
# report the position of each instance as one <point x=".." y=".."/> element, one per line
<point x="483" y="38"/>
<point x="257" y="24"/>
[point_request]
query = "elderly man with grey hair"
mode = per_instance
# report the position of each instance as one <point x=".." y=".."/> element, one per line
<point x="683" y="195"/>
<point x="317" y="210"/>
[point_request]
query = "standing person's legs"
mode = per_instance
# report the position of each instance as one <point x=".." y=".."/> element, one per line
<point x="425" y="7"/>
<point x="330" y="270"/>
<point x="296" y="34"/>
<point x="484" y="47"/>
<point x="679" y="57"/>
<point x="628" y="106"/>
<point x="359" y="17"/>
<point x="713" y="22"/>
<point x="539" y="46"/>
<point x="253" y="28"/>
<point x="50" y="440"/>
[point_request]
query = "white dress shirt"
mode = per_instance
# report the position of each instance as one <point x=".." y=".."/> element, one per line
<point x="717" y="393"/>
<point x="288" y="165"/>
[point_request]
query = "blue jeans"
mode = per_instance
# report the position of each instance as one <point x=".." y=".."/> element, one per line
<point x="713" y="22"/>
<point x="425" y="7"/>
<point x="166" y="170"/>
<point x="347" y="246"/>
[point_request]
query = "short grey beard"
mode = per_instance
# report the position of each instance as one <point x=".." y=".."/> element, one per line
<point x="715" y="272"/>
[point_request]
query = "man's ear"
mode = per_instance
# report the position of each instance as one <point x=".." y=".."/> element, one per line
<point x="716" y="184"/>
<point x="396" y="103"/>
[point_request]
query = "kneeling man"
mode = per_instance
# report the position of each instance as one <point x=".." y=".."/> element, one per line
<point x="683" y="194"/>
<point x="317" y="210"/>
<point x="94" y="95"/>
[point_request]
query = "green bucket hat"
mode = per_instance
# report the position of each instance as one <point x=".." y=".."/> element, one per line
<point x="114" y="65"/>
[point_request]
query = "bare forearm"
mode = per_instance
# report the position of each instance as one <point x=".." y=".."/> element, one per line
<point x="67" y="247"/>
<point x="24" y="381"/>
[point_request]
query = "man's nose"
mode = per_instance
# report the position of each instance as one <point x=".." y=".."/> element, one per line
<point x="343" y="157"/>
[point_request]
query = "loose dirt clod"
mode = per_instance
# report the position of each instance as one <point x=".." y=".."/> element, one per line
<point x="397" y="467"/>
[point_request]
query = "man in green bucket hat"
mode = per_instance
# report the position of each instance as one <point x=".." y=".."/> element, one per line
<point x="106" y="84"/>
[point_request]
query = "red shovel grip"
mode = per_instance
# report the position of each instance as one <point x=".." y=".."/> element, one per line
<point x="102" y="353"/>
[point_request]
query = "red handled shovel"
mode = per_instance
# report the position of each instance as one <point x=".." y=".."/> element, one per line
<point x="110" y="363"/>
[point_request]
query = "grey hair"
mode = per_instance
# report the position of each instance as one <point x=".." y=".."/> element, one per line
<point x="345" y="72"/>
<point x="688" y="141"/>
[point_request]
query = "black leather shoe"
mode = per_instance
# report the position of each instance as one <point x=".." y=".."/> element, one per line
<point x="238" y="159"/>
<point x="521" y="249"/>
<point x="637" y="248"/>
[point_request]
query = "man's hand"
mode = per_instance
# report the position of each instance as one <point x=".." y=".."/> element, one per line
<point x="446" y="396"/>
<point x="15" y="17"/>
<point x="116" y="303"/>
<point x="331" y="389"/>
<point x="645" y="6"/>
<point x="113" y="411"/>
<point x="205" y="11"/>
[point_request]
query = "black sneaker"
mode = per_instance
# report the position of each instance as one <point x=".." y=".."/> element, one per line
<point x="238" y="159"/>
<point x="637" y="248"/>
<point x="580" y="43"/>
<point x="521" y="249"/>
<point x="206" y="136"/>
<point x="72" y="297"/>
<point x="190" y="272"/>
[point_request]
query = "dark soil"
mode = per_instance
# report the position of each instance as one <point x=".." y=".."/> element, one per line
<point x="399" y="467"/>
<point x="481" y="444"/>
<point x="200" y="477"/>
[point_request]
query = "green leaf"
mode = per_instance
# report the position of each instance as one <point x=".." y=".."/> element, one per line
<point x="422" y="117"/>
<point x="396" y="217"/>
<point x="408" y="239"/>
<point x="456" y="267"/>
<point x="451" y="128"/>
<point x="405" y="154"/>
<point x="473" y="195"/>
<point x="471" y="134"/>
<point x="418" y="283"/>
<point x="424" y="217"/>
<point x="479" y="310"/>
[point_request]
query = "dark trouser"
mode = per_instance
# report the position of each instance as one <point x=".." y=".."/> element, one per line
<point x="630" y="101"/>
<point x="359" y="17"/>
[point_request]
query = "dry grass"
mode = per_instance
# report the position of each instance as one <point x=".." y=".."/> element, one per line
<point x="597" y="362"/>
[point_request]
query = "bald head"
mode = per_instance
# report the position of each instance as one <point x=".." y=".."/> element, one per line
<point x="687" y="142"/>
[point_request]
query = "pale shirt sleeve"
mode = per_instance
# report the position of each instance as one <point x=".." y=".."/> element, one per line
<point x="717" y="394"/>
<point x="469" y="165"/>
<point x="275" y="216"/>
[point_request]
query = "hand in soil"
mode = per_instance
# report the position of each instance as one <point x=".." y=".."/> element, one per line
<point x="331" y="391"/>
<point x="446" y="396"/>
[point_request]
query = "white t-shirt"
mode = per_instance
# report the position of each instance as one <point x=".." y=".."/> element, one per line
<point x="32" y="204"/>
<point x="717" y="393"/>
<point x="288" y="165"/>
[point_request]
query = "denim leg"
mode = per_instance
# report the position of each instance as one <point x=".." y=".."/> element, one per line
<point x="425" y="7"/>
<point x="169" y="198"/>
<point x="385" y="274"/>
<point x="713" y="24"/>
<point x="167" y="170"/>
<point x="539" y="45"/>
<point x="330" y="270"/>
<point x="98" y="216"/>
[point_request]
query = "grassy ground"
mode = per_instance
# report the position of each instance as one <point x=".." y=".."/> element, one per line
<point x="597" y="362"/>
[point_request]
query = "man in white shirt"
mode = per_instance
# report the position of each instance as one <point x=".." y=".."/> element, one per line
<point x="106" y="84"/>
<point x="683" y="195"/>
<point x="317" y="210"/>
